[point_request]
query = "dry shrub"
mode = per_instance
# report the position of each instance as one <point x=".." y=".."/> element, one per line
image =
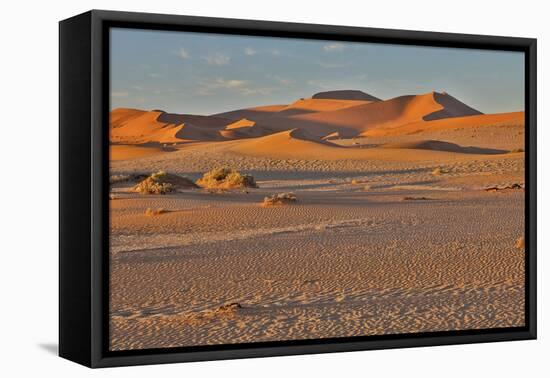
<point x="279" y="199"/>
<point x="151" y="212"/>
<point x="366" y="188"/>
<point x="154" y="184"/>
<point x="226" y="178"/>
<point x="410" y="198"/>
<point x="229" y="308"/>
<point x="520" y="243"/>
<point x="439" y="171"/>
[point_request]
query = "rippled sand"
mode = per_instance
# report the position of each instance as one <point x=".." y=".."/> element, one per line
<point x="411" y="252"/>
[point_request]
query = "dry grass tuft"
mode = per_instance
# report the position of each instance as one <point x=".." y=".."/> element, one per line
<point x="228" y="308"/>
<point x="226" y="178"/>
<point x="520" y="243"/>
<point x="410" y="198"/>
<point x="279" y="199"/>
<point x="151" y="212"/>
<point x="154" y="184"/>
<point x="439" y="171"/>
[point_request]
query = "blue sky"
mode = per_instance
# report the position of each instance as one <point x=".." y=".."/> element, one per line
<point x="183" y="72"/>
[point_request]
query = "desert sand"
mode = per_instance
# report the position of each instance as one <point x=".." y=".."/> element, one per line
<point x="407" y="215"/>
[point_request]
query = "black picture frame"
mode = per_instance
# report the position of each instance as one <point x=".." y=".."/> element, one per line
<point x="84" y="184"/>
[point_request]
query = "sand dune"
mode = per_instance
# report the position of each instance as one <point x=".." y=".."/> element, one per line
<point x="392" y="113"/>
<point x="474" y="121"/>
<point x="243" y="128"/>
<point x="309" y="105"/>
<point x="345" y="95"/>
<point x="135" y="127"/>
<point x="299" y="144"/>
<point x="347" y="113"/>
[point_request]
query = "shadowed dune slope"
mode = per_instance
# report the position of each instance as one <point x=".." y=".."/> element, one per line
<point x="345" y="95"/>
<point x="437" y="145"/>
<point x="129" y="126"/>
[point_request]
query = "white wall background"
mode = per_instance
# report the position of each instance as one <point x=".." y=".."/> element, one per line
<point x="29" y="173"/>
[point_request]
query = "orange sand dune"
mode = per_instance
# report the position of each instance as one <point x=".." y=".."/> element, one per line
<point x="298" y="144"/>
<point x="119" y="117"/>
<point x="243" y="128"/>
<point x="137" y="127"/>
<point x="310" y="105"/>
<point x="392" y="113"/>
<point x="323" y="116"/>
<point x="349" y="118"/>
<point x="451" y="124"/>
<point x="131" y="126"/>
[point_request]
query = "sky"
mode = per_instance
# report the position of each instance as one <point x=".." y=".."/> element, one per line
<point x="197" y="73"/>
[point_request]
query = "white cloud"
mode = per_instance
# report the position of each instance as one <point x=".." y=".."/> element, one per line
<point x="243" y="87"/>
<point x="319" y="84"/>
<point x="281" y="80"/>
<point x="207" y="87"/>
<point x="257" y="91"/>
<point x="182" y="53"/>
<point x="119" y="94"/>
<point x="333" y="47"/>
<point x="218" y="59"/>
<point x="250" y="51"/>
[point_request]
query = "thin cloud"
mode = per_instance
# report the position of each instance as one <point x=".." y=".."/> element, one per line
<point x="218" y="59"/>
<point x="183" y="53"/>
<point x="334" y="64"/>
<point x="333" y="47"/>
<point x="207" y="87"/>
<point x="250" y="51"/>
<point x="281" y="80"/>
<point x="243" y="87"/>
<point x="319" y="84"/>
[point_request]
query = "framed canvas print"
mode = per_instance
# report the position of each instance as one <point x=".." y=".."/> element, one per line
<point x="234" y="188"/>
